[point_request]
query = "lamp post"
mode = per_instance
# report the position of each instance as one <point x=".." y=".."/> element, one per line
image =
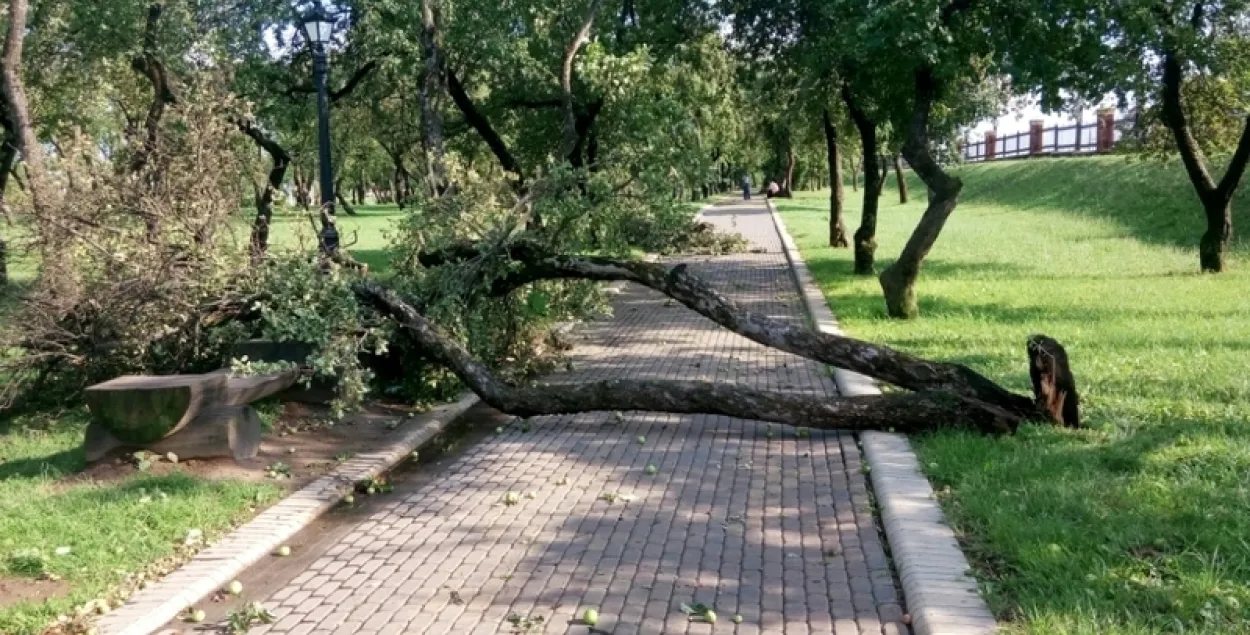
<point x="318" y="26"/>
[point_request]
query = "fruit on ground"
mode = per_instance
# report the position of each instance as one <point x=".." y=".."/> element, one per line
<point x="590" y="617"/>
<point x="235" y="587"/>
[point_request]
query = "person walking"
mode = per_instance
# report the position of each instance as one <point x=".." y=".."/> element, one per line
<point x="746" y="186"/>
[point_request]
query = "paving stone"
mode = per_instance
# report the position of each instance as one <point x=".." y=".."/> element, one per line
<point x="766" y="527"/>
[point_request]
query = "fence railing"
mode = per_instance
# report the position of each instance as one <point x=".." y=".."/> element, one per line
<point x="1095" y="137"/>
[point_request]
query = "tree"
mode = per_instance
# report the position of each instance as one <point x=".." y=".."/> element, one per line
<point x="1191" y="58"/>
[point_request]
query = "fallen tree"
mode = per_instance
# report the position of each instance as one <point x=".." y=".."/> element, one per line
<point x="945" y="395"/>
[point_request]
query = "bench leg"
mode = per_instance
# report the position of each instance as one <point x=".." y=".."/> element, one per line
<point x="233" y="431"/>
<point x="98" y="442"/>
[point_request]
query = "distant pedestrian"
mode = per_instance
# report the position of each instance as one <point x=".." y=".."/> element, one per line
<point x="773" y="189"/>
<point x="746" y="187"/>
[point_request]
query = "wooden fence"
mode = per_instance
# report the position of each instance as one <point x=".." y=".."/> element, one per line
<point x="1077" y="138"/>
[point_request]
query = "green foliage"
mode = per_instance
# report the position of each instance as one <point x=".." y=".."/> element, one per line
<point x="303" y="300"/>
<point x="242" y="620"/>
<point x="1132" y="526"/>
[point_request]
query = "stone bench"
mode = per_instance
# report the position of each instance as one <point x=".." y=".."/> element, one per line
<point x="193" y="416"/>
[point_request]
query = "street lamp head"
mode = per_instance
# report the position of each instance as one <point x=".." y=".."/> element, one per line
<point x="318" y="25"/>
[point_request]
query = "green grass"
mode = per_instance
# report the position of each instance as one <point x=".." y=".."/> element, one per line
<point x="109" y="528"/>
<point x="1138" y="524"/>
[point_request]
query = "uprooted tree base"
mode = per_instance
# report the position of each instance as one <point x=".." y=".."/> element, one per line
<point x="943" y="394"/>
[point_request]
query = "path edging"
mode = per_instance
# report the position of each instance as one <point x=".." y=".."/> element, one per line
<point x="941" y="597"/>
<point x="149" y="610"/>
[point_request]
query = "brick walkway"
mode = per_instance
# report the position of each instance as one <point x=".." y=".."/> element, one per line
<point x="740" y="516"/>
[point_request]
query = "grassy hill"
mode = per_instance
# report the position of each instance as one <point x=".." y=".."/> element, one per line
<point x="1135" y="525"/>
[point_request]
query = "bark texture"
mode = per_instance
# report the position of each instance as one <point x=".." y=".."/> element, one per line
<point x="273" y="184"/>
<point x="837" y="195"/>
<point x="18" y="108"/>
<point x="912" y="412"/>
<point x="866" y="235"/>
<point x="879" y="362"/>
<point x="1216" y="198"/>
<point x="569" y="140"/>
<point x="432" y="89"/>
<point x="898" y="281"/>
<point x="902" y="180"/>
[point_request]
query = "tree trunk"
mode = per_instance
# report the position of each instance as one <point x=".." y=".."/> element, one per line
<point x="1219" y="233"/>
<point x="8" y="155"/>
<point x="1216" y="198"/>
<point x="570" y="137"/>
<point x="898" y="281"/>
<point x="837" y="226"/>
<point x="787" y="187"/>
<point x="264" y="195"/>
<point x="52" y="270"/>
<point x="912" y="412"/>
<point x="866" y="235"/>
<point x="150" y="66"/>
<point x="885" y="175"/>
<point x="854" y="174"/>
<point x="338" y="194"/>
<point x="432" y="90"/>
<point x="902" y="180"/>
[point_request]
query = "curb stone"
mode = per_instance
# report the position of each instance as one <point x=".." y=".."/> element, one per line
<point x="941" y="597"/>
<point x="149" y="610"/>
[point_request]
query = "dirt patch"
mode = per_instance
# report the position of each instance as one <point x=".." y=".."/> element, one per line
<point x="302" y="438"/>
<point x="17" y="590"/>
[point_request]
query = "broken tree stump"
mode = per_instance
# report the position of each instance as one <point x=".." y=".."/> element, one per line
<point x="193" y="416"/>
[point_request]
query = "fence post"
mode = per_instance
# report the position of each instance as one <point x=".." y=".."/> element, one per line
<point x="1106" y="129"/>
<point x="991" y="145"/>
<point x="1035" y="136"/>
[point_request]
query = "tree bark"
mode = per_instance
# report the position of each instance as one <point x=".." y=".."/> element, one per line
<point x="481" y="124"/>
<point x="854" y="174"/>
<point x="150" y="66"/>
<point x="902" y="180"/>
<point x="8" y="155"/>
<point x="52" y="267"/>
<point x="338" y="194"/>
<point x="264" y="196"/>
<point x="788" y="182"/>
<point x="901" y="412"/>
<point x="837" y="197"/>
<point x="1216" y="198"/>
<point x="432" y="90"/>
<point x="866" y="235"/>
<point x="570" y="138"/>
<point x="898" y="281"/>
<point x="677" y="282"/>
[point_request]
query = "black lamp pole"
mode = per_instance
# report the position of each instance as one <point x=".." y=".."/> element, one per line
<point x="329" y="232"/>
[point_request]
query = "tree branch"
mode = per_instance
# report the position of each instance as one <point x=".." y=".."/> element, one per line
<point x="566" y="79"/>
<point x="1176" y="121"/>
<point x="481" y="124"/>
<point x="903" y="412"/>
<point x="1237" y="166"/>
<point x="878" y="362"/>
<point x="150" y="66"/>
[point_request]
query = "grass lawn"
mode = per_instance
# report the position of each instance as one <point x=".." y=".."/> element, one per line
<point x="1139" y="523"/>
<point x="119" y="527"/>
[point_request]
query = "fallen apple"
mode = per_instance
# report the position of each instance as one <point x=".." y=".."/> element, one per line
<point x="737" y="619"/>
<point x="511" y="498"/>
<point x="197" y="615"/>
<point x="590" y="617"/>
<point x="349" y="499"/>
<point x="641" y="439"/>
<point x="709" y="616"/>
<point x="651" y="469"/>
<point x="284" y="551"/>
<point x="235" y="587"/>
